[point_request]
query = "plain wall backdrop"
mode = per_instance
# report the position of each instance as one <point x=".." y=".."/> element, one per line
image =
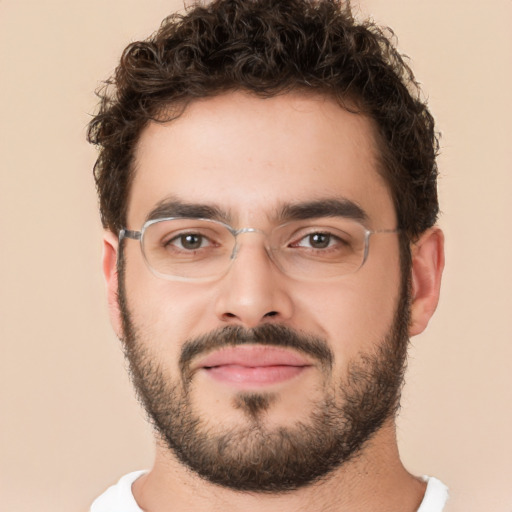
<point x="69" y="423"/>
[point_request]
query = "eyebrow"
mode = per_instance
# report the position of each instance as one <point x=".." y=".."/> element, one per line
<point x="339" y="207"/>
<point x="173" y="207"/>
<point x="331" y="207"/>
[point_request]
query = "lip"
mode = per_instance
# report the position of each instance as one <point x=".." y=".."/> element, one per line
<point x="249" y="366"/>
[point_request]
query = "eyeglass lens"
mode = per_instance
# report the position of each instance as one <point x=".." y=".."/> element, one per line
<point x="202" y="249"/>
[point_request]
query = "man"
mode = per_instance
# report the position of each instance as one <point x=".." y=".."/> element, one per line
<point x="267" y="184"/>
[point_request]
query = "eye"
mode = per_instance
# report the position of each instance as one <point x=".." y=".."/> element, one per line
<point x="318" y="240"/>
<point x="189" y="241"/>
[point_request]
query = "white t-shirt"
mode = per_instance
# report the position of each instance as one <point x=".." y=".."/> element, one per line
<point x="119" y="497"/>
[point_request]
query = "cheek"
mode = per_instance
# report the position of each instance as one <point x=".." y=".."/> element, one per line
<point x="165" y="313"/>
<point x="355" y="314"/>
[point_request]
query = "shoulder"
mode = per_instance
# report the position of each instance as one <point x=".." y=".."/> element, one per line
<point x="118" y="497"/>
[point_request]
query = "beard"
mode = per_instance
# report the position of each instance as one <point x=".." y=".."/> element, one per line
<point x="254" y="456"/>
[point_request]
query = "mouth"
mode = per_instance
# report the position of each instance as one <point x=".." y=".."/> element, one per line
<point x="250" y="366"/>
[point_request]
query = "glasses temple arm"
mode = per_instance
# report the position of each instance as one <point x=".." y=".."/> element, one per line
<point x="126" y="233"/>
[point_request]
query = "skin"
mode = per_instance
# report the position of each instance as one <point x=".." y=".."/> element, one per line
<point x="251" y="156"/>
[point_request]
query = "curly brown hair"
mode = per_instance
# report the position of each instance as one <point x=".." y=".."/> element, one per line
<point x="269" y="47"/>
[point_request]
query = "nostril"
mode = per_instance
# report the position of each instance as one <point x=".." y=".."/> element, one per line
<point x="271" y="313"/>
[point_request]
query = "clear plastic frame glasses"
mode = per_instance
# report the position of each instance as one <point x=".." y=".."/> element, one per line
<point x="189" y="249"/>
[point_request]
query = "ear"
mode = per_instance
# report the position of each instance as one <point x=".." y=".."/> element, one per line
<point x="109" y="264"/>
<point x="427" y="269"/>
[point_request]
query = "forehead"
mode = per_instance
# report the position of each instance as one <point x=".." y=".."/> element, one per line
<point x="250" y="157"/>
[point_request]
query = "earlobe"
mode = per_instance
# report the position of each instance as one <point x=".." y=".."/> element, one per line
<point x="427" y="270"/>
<point x="109" y="264"/>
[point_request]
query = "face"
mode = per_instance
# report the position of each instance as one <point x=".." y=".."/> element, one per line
<point x="257" y="380"/>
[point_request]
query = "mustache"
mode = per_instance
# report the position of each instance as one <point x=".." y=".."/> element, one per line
<point x="266" y="334"/>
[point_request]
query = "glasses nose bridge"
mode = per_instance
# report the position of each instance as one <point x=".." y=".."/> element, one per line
<point x="242" y="231"/>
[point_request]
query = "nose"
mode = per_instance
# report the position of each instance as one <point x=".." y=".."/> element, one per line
<point x="253" y="291"/>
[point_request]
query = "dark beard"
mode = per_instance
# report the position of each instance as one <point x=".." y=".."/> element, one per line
<point x="255" y="457"/>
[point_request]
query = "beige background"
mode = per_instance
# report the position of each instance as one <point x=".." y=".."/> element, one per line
<point x="69" y="423"/>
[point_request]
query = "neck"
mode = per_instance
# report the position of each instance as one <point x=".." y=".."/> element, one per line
<point x="374" y="480"/>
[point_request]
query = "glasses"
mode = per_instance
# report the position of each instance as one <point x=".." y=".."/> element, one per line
<point x="189" y="249"/>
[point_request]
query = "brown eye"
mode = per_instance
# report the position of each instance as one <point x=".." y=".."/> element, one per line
<point x="319" y="240"/>
<point x="188" y="242"/>
<point x="191" y="241"/>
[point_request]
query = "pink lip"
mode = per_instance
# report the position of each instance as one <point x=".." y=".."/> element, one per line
<point x="247" y="365"/>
